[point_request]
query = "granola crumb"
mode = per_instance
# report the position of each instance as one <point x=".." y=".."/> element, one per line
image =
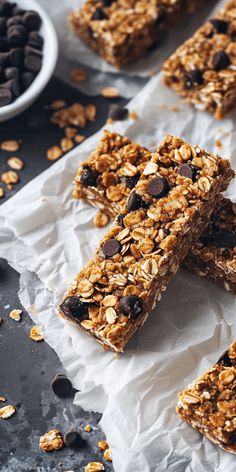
<point x="51" y="441"/>
<point x="100" y="219"/>
<point x="107" y="455"/>
<point x="79" y="138"/>
<point x="10" y="177"/>
<point x="88" y="428"/>
<point x="103" y="445"/>
<point x="15" y="163"/>
<point x="110" y="92"/>
<point x="54" y="153"/>
<point x="7" y="411"/>
<point x="2" y="399"/>
<point x="133" y="115"/>
<point x="78" y="75"/>
<point x="94" y="467"/>
<point x="10" y="146"/>
<point x="2" y="193"/>
<point x="35" y="334"/>
<point x="218" y="143"/>
<point x="57" y="104"/>
<point x="15" y="315"/>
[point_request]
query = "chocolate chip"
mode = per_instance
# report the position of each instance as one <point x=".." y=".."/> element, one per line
<point x="131" y="305"/>
<point x="117" y="112"/>
<point x="224" y="238"/>
<point x="16" y="35"/>
<point x="15" y="20"/>
<point x="130" y="182"/>
<point x="30" y="50"/>
<point x="5" y="8"/>
<point x="74" y="308"/>
<point x="225" y="360"/>
<point x="14" y="86"/>
<point x="35" y="40"/>
<point x="32" y="20"/>
<point x="18" y="11"/>
<point x="120" y="220"/>
<point x="89" y="177"/>
<point x="16" y="56"/>
<point x="33" y="62"/>
<point x="99" y="15"/>
<point x="62" y="386"/>
<point x="220" y="60"/>
<point x="158" y="187"/>
<point x="135" y="202"/>
<point x="27" y="79"/>
<point x="220" y="26"/>
<point x="6" y="97"/>
<point x="73" y="439"/>
<point x="187" y="171"/>
<point x="108" y="3"/>
<point x="111" y="247"/>
<point x="193" y="77"/>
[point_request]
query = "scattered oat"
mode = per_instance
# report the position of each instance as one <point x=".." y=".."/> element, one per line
<point x="10" y="177"/>
<point x="51" y="441"/>
<point x="70" y="132"/>
<point x="57" y="104"/>
<point x="103" y="445"/>
<point x="100" y="219"/>
<point x="88" y="428"/>
<point x="66" y="144"/>
<point x="78" y="75"/>
<point x="54" y="153"/>
<point x="35" y="334"/>
<point x="7" y="411"/>
<point x="90" y="111"/>
<point x="10" y="146"/>
<point x="15" y="163"/>
<point x="110" y="92"/>
<point x="2" y="193"/>
<point x="79" y="138"/>
<point x="133" y="115"/>
<point x="107" y="455"/>
<point x="15" y="315"/>
<point x="218" y="143"/>
<point x="2" y="399"/>
<point x="94" y="467"/>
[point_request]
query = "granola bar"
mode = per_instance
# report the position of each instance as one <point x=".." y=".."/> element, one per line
<point x="209" y="403"/>
<point x="214" y="255"/>
<point x="165" y="213"/>
<point x="122" y="31"/>
<point x="202" y="70"/>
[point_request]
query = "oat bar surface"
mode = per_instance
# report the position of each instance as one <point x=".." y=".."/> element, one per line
<point x="209" y="403"/>
<point x="203" y="69"/>
<point x="165" y="213"/>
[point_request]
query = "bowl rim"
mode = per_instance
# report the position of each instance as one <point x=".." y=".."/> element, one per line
<point x="50" y="57"/>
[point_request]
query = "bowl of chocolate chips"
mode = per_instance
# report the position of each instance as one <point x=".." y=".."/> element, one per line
<point x="28" y="54"/>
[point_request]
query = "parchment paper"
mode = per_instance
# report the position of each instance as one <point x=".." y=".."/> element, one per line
<point x="101" y="73"/>
<point x="47" y="237"/>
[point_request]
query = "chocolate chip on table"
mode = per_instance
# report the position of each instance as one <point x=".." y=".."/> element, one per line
<point x="73" y="439"/>
<point x="224" y="238"/>
<point x="16" y="56"/>
<point x="35" y="40"/>
<point x="117" y="112"/>
<point x="193" y="77"/>
<point x="158" y="187"/>
<point x="16" y="35"/>
<point x="27" y="79"/>
<point x="89" y="177"/>
<point x="220" y="26"/>
<point x="32" y="20"/>
<point x="187" y="171"/>
<point x="220" y="60"/>
<point x="62" y="386"/>
<point x="33" y="62"/>
<point x="135" y="202"/>
<point x="111" y="247"/>
<point x="130" y="182"/>
<point x="131" y="306"/>
<point x="99" y="15"/>
<point x="74" y="308"/>
<point x="6" y="97"/>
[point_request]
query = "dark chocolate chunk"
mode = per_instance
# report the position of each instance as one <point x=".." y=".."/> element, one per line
<point x="32" y="20"/>
<point x="220" y="26"/>
<point x="16" y="35"/>
<point x="35" y="40"/>
<point x="27" y="79"/>
<point x="224" y="238"/>
<point x="99" y="14"/>
<point x="158" y="187"/>
<point x="14" y="20"/>
<point x="12" y="73"/>
<point x="16" y="56"/>
<point x="5" y="8"/>
<point x="193" y="77"/>
<point x="111" y="247"/>
<point x="33" y="62"/>
<point x="220" y="60"/>
<point x="130" y="182"/>
<point x="74" y="308"/>
<point x="135" y="202"/>
<point x="6" y="97"/>
<point x="131" y="306"/>
<point x="4" y="58"/>
<point x="30" y="50"/>
<point x="117" y="112"/>
<point x="187" y="171"/>
<point x="89" y="177"/>
<point x="120" y="220"/>
<point x="62" y="386"/>
<point x="73" y="439"/>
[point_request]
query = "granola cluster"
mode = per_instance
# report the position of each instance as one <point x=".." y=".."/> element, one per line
<point x="203" y="70"/>
<point x="209" y="404"/>
<point x="121" y="31"/>
<point x="164" y="214"/>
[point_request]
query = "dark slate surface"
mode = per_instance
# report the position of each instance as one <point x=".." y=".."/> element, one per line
<point x="26" y="367"/>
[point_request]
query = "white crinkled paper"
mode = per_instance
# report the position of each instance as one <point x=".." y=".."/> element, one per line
<point x="47" y="237"/>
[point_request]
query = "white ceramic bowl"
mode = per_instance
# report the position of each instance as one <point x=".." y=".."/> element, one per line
<point x="50" y="54"/>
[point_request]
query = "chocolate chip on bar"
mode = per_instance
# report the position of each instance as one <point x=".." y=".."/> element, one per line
<point x="164" y="215"/>
<point x="202" y="70"/>
<point x="209" y="403"/>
